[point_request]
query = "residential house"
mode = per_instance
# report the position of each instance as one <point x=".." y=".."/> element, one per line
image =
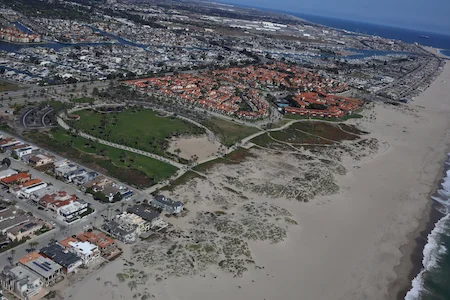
<point x="146" y="214"/>
<point x="40" y="160"/>
<point x="97" y="183"/>
<point x="25" y="230"/>
<point x="7" y="173"/>
<point x="18" y="178"/>
<point x="22" y="282"/>
<point x="37" y="195"/>
<point x="21" y="152"/>
<point x="84" y="178"/>
<point x="170" y="206"/>
<point x="73" y="210"/>
<point x="11" y="217"/>
<point x="141" y="226"/>
<point x="49" y="271"/>
<point x="124" y="232"/>
<point x="27" y="191"/>
<point x="110" y="191"/>
<point x="63" y="167"/>
<point x="65" y="205"/>
<point x="57" y="253"/>
<point x="8" y="142"/>
<point x="75" y="173"/>
<point x="85" y="250"/>
<point x="105" y="244"/>
<point x="126" y="193"/>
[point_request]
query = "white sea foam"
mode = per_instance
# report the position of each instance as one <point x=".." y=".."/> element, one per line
<point x="431" y="254"/>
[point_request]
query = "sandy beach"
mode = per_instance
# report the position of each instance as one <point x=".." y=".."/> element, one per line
<point x="342" y="243"/>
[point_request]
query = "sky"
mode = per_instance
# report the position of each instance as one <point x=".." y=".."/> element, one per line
<point x="427" y="15"/>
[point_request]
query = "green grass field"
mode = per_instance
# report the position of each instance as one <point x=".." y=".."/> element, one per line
<point x="131" y="168"/>
<point x="138" y="128"/>
<point x="228" y="132"/>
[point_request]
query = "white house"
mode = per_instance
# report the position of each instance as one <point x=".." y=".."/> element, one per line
<point x="27" y="191"/>
<point x="25" y="151"/>
<point x="87" y="251"/>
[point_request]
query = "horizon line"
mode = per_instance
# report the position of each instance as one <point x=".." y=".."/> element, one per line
<point x="444" y="33"/>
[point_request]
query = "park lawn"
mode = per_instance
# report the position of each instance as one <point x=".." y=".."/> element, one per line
<point x="6" y="86"/>
<point x="138" y="128"/>
<point x="133" y="169"/>
<point x="229" y="133"/>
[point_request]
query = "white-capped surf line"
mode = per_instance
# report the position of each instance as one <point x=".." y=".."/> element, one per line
<point x="433" y="250"/>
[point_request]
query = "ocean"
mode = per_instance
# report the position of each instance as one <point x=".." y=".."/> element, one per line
<point x="436" y="40"/>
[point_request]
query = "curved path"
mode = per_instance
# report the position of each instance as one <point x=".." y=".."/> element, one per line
<point x="43" y="117"/>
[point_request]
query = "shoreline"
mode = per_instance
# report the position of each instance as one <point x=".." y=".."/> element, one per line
<point x="435" y="51"/>
<point x="412" y="252"/>
<point x="438" y="51"/>
<point x="410" y="264"/>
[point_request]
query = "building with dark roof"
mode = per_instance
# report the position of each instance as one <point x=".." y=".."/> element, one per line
<point x="170" y="206"/>
<point x="125" y="233"/>
<point x="143" y="212"/>
<point x="68" y="260"/>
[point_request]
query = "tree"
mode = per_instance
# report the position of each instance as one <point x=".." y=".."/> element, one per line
<point x="117" y="197"/>
<point x="6" y="161"/>
<point x="33" y="245"/>
<point x="100" y="196"/>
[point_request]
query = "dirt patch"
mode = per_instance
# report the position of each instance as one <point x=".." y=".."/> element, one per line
<point x="187" y="147"/>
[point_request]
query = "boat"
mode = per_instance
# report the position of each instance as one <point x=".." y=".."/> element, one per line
<point x="424" y="36"/>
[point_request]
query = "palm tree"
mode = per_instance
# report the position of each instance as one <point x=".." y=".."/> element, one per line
<point x="33" y="245"/>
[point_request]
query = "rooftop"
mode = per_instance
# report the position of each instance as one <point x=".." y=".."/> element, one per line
<point x="59" y="255"/>
<point x="29" y="257"/>
<point x="143" y="212"/>
<point x="98" y="239"/>
<point x="21" y="272"/>
<point x="43" y="266"/>
<point x="85" y="248"/>
<point x="166" y="201"/>
<point x="15" y="177"/>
